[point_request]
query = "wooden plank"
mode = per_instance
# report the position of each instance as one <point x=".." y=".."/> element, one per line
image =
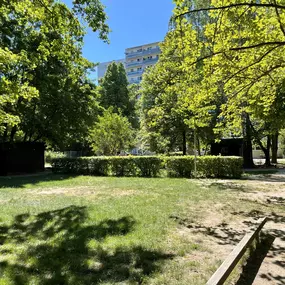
<point x="223" y="272"/>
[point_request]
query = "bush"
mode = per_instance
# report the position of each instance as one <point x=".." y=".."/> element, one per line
<point x="150" y="166"/>
<point x="122" y="166"/>
<point x="50" y="155"/>
<point x="179" y="166"/>
<point x="98" y="166"/>
<point x="207" y="166"/>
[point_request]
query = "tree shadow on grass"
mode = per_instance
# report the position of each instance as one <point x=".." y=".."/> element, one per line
<point x="56" y="247"/>
<point x="21" y="181"/>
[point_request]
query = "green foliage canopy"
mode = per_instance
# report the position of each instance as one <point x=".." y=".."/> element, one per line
<point x="242" y="58"/>
<point x="42" y="66"/>
<point x="112" y="134"/>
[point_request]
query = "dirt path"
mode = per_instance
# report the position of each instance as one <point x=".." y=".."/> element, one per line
<point x="267" y="192"/>
<point x="272" y="269"/>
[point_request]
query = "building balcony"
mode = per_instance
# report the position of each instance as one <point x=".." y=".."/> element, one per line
<point x="136" y="63"/>
<point x="152" y="61"/>
<point x="136" y="72"/>
<point x="134" y="81"/>
<point x="143" y="52"/>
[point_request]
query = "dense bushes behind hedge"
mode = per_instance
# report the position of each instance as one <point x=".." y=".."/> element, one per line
<point x="151" y="166"/>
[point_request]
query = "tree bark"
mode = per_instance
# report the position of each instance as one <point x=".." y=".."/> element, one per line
<point x="184" y="148"/>
<point x="198" y="146"/>
<point x="267" y="151"/>
<point x="247" y="144"/>
<point x="274" y="147"/>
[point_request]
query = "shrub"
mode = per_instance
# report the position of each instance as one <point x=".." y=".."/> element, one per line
<point x="207" y="166"/>
<point x="179" y="166"/>
<point x="122" y="166"/>
<point x="84" y="165"/>
<point x="68" y="165"/>
<point x="98" y="166"/>
<point x="148" y="166"/>
<point x="50" y="155"/>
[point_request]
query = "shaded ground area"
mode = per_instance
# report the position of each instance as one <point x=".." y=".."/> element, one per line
<point x="57" y="229"/>
<point x="53" y="247"/>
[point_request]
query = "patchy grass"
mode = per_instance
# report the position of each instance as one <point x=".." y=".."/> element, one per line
<point x="57" y="229"/>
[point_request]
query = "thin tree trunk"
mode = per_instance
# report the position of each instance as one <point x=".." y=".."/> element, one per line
<point x="247" y="144"/>
<point x="274" y="147"/>
<point x="267" y="151"/>
<point x="184" y="148"/>
<point x="198" y="146"/>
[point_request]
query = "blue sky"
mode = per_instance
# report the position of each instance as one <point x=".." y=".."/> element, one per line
<point x="133" y="23"/>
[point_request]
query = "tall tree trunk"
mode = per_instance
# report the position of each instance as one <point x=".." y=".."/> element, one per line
<point x="184" y="148"/>
<point x="267" y="151"/>
<point x="247" y="144"/>
<point x="274" y="147"/>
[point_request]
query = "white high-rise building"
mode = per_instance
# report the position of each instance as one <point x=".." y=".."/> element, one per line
<point x="137" y="60"/>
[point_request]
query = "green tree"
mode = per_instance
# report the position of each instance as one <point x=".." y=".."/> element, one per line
<point x="242" y="54"/>
<point x="114" y="90"/>
<point x="43" y="72"/>
<point x="112" y="134"/>
<point x="168" y="119"/>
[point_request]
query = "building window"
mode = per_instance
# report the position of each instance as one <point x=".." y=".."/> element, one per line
<point x="139" y="68"/>
<point x="138" y="59"/>
<point x="132" y="70"/>
<point x="149" y="48"/>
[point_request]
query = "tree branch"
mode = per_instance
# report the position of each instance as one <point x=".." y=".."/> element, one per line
<point x="257" y="45"/>
<point x="260" y="5"/>
<point x="279" y="19"/>
<point x="252" y="64"/>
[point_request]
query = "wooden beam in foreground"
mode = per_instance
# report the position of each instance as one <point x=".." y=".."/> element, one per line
<point x="223" y="272"/>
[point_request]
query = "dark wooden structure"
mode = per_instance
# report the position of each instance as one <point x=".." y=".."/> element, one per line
<point x="228" y="147"/>
<point x="23" y="157"/>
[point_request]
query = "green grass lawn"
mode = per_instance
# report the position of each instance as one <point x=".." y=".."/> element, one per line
<point x="56" y="229"/>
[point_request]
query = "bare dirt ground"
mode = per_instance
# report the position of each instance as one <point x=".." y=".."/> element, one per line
<point x="224" y="228"/>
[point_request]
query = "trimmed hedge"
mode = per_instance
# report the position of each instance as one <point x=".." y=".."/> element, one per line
<point x="144" y="166"/>
<point x="179" y="166"/>
<point x="150" y="166"/>
<point x="207" y="166"/>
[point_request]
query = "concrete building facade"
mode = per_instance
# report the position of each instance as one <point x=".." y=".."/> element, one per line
<point x="137" y="60"/>
<point x="102" y="67"/>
